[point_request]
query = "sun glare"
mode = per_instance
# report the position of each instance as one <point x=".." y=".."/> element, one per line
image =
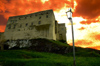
<point x="43" y="1"/>
<point x="75" y="4"/>
<point x="78" y="19"/>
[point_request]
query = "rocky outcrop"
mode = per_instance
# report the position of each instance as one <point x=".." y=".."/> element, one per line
<point x="41" y="45"/>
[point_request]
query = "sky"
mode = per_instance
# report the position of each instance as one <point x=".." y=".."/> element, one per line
<point x="86" y="17"/>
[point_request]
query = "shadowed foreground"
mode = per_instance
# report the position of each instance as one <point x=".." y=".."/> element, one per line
<point x="44" y="52"/>
<point x="32" y="58"/>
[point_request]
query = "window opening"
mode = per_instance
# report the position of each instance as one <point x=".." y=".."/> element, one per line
<point x="19" y="18"/>
<point x="47" y="13"/>
<point x="9" y="27"/>
<point x="25" y="17"/>
<point x="46" y="16"/>
<point x="14" y="26"/>
<point x="39" y="22"/>
<point x="30" y="15"/>
<point x="26" y="24"/>
<point x="32" y="23"/>
<point x="35" y="14"/>
<point x="39" y="17"/>
<point x="62" y="28"/>
<point x="18" y="29"/>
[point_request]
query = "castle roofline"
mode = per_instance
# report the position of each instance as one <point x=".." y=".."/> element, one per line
<point x="62" y="23"/>
<point x="31" y="13"/>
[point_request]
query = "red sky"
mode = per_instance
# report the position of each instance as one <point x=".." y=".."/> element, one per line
<point x="86" y="17"/>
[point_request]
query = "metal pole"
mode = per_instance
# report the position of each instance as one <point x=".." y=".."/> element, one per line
<point x="73" y="42"/>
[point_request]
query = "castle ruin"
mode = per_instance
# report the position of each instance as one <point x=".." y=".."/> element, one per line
<point x="35" y="25"/>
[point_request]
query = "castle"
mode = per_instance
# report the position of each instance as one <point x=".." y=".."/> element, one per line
<point x="35" y="25"/>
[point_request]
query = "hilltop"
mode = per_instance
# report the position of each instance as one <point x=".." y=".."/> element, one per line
<point x="58" y="47"/>
<point x="45" y="52"/>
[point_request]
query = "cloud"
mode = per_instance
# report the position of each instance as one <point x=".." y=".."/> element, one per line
<point x="86" y="36"/>
<point x="83" y="42"/>
<point x="88" y="9"/>
<point x="86" y="44"/>
<point x="85" y="22"/>
<point x="2" y="28"/>
<point x="82" y="28"/>
<point x="89" y="21"/>
<point x="3" y="21"/>
<point x="21" y="7"/>
<point x="95" y="47"/>
<point x="10" y="8"/>
<point x="95" y="36"/>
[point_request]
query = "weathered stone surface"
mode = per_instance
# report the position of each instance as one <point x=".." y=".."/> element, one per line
<point x="41" y="45"/>
<point x="35" y="25"/>
<point x="18" y="43"/>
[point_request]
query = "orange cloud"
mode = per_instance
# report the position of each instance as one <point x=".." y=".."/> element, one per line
<point x="83" y="43"/>
<point x="20" y="7"/>
<point x="2" y="28"/>
<point x="95" y="36"/>
<point x="82" y="28"/>
<point x="89" y="21"/>
<point x="86" y="44"/>
<point x="3" y="21"/>
<point x="88" y="9"/>
<point x="95" y="47"/>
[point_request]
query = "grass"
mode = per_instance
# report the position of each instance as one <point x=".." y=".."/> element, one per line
<point x="32" y="58"/>
<point x="58" y="43"/>
<point x="40" y="56"/>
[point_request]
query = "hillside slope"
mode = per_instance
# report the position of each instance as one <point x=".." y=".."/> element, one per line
<point x="45" y="52"/>
<point x="51" y="46"/>
<point x="32" y="58"/>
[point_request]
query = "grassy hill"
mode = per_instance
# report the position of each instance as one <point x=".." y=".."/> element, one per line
<point x="49" y="53"/>
<point x="32" y="58"/>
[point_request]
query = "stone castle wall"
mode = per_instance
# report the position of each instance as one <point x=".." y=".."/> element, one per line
<point x="62" y="31"/>
<point x="35" y="25"/>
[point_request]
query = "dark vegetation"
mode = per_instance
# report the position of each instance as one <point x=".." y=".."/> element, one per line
<point x="45" y="52"/>
<point x="44" y="45"/>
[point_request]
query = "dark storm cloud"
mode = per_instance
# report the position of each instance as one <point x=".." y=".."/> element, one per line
<point x="1" y="11"/>
<point x="3" y="21"/>
<point x="20" y="7"/>
<point x="8" y="0"/>
<point x="88" y="9"/>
